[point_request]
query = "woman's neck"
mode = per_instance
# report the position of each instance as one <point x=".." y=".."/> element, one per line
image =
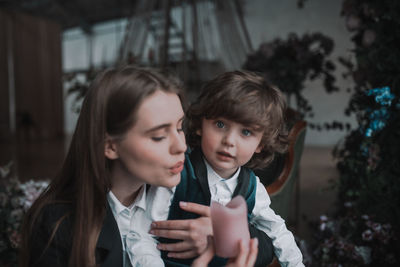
<point x="124" y="187"/>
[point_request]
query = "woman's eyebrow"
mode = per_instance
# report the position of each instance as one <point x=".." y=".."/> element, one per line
<point x="158" y="127"/>
<point x="165" y="125"/>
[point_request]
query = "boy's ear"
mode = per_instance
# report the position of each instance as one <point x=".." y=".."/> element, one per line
<point x="259" y="148"/>
<point x="110" y="149"/>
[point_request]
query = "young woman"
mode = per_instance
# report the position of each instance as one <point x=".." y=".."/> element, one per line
<point x="129" y="133"/>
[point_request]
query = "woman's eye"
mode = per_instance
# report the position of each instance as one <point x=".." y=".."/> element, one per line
<point x="246" y="132"/>
<point x="220" y="124"/>
<point x="157" y="138"/>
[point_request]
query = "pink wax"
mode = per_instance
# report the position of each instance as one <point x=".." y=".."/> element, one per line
<point x="229" y="226"/>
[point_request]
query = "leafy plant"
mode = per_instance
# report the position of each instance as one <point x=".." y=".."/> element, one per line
<point x="290" y="63"/>
<point x="368" y="159"/>
<point x="369" y="171"/>
<point x="78" y="84"/>
<point x="354" y="240"/>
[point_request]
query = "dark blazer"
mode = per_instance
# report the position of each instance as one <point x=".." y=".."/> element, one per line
<point x="109" y="251"/>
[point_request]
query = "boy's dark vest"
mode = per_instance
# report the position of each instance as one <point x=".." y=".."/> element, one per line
<point x="194" y="188"/>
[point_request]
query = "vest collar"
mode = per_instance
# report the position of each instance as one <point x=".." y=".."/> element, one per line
<point x="200" y="170"/>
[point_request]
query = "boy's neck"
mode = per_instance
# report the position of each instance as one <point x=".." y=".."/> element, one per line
<point x="225" y="175"/>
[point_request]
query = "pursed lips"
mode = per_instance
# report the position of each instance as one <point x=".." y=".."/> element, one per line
<point x="177" y="168"/>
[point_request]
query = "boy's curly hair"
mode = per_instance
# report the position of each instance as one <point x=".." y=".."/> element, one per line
<point x="245" y="98"/>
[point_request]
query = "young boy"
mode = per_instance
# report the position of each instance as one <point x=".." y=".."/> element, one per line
<point x="237" y="123"/>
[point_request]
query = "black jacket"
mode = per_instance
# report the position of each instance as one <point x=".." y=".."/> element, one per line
<point x="108" y="249"/>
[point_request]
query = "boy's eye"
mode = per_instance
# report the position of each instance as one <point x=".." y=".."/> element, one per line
<point x="246" y="132"/>
<point x="220" y="124"/>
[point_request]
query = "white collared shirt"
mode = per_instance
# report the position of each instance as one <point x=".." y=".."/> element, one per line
<point x="221" y="189"/>
<point x="262" y="217"/>
<point x="139" y="247"/>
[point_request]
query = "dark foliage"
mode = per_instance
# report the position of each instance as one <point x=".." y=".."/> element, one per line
<point x="289" y="63"/>
<point x="368" y="159"/>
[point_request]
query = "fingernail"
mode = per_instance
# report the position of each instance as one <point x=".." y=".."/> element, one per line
<point x="182" y="203"/>
<point x="151" y="232"/>
<point x="256" y="241"/>
<point x="153" y="224"/>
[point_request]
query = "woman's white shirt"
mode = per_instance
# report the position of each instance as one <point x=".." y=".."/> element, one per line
<point x="139" y="247"/>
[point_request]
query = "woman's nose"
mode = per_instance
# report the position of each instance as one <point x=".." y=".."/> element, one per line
<point x="178" y="144"/>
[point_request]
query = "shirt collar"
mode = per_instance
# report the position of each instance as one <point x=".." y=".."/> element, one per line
<point x="214" y="178"/>
<point x="117" y="207"/>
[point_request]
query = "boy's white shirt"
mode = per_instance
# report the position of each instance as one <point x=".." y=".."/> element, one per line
<point x="158" y="200"/>
<point x="262" y="216"/>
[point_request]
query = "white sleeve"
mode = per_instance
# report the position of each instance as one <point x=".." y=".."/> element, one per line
<point x="159" y="202"/>
<point x="142" y="250"/>
<point x="141" y="246"/>
<point x="265" y="219"/>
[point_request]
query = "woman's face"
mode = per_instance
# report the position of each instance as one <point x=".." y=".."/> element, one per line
<point x="152" y="151"/>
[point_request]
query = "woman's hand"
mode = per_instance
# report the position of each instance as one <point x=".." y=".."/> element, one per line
<point x="246" y="258"/>
<point x="192" y="232"/>
<point x="247" y="255"/>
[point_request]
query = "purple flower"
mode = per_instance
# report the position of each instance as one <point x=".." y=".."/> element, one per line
<point x="367" y="235"/>
<point x="348" y="204"/>
<point x="369" y="37"/>
<point x="387" y="227"/>
<point x="32" y="190"/>
<point x="353" y="22"/>
<point x="5" y="170"/>
<point x="340" y="245"/>
<point x="365" y="217"/>
<point x="3" y="199"/>
<point x="15" y="239"/>
<point x="323" y="218"/>
<point x="377" y="227"/>
<point x="329" y="243"/>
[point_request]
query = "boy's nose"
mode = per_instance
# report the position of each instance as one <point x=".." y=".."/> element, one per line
<point x="229" y="139"/>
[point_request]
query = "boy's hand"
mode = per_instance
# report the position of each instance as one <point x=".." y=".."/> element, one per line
<point x="192" y="232"/>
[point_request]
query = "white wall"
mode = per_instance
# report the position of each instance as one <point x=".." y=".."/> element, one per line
<point x="266" y="20"/>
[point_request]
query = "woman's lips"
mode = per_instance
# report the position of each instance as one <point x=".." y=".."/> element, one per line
<point x="177" y="168"/>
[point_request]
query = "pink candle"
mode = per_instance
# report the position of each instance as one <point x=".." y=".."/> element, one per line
<point x="229" y="226"/>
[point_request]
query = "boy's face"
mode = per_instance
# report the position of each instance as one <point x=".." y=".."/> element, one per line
<point x="227" y="145"/>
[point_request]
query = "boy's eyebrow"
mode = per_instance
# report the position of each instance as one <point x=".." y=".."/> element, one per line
<point x="256" y="127"/>
<point x="158" y="127"/>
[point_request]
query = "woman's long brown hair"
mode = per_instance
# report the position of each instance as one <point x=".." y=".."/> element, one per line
<point x="83" y="182"/>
